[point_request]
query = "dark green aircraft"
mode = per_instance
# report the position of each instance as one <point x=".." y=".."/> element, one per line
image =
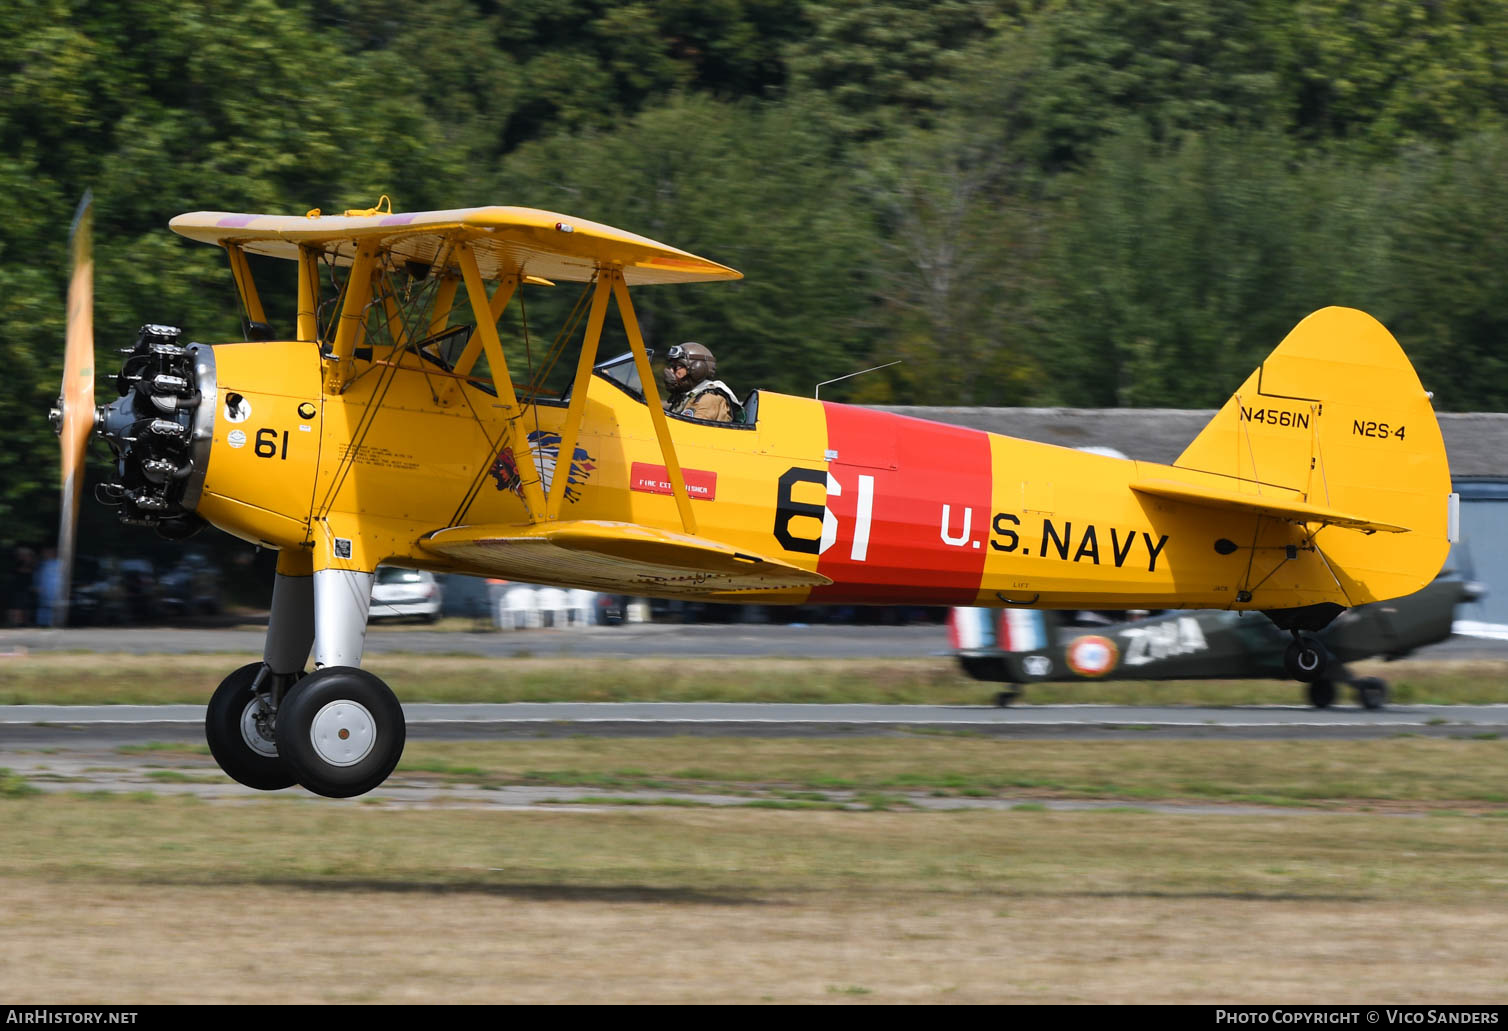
<point x="1019" y="646"/>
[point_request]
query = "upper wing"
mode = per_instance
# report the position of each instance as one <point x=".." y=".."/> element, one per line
<point x="506" y="240"/>
<point x="616" y="556"/>
<point x="1282" y="508"/>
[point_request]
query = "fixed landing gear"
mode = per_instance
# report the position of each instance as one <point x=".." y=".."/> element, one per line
<point x="1306" y="659"/>
<point x="1322" y="694"/>
<point x="1371" y="692"/>
<point x="239" y="725"/>
<point x="341" y="731"/>
<point x="1005" y="698"/>
<point x="338" y="731"/>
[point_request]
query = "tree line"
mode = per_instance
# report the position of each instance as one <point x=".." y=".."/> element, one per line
<point x="1026" y="202"/>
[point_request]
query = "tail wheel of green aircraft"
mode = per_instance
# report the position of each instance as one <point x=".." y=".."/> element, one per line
<point x="1004" y="698"/>
<point x="1322" y="694"/>
<point x="1372" y="692"/>
<point x="341" y="730"/>
<point x="239" y="728"/>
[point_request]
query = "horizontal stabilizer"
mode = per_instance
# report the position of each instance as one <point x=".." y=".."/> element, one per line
<point x="616" y="556"/>
<point x="1281" y="508"/>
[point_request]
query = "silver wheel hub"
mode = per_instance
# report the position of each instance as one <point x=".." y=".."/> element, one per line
<point x="257" y="729"/>
<point x="343" y="733"/>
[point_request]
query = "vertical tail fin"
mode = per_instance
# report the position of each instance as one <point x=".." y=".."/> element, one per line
<point x="1337" y="414"/>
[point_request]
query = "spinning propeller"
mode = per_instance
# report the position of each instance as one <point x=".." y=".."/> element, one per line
<point x="73" y="418"/>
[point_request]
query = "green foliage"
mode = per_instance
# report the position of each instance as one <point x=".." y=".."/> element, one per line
<point x="1070" y="73"/>
<point x="957" y="272"/>
<point x="752" y="186"/>
<point x="1392" y="73"/>
<point x="1450" y="256"/>
<point x="1176" y="268"/>
<point x="886" y="64"/>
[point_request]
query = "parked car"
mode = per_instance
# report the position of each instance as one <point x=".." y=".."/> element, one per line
<point x="398" y="593"/>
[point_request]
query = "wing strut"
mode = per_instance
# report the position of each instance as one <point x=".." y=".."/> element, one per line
<point x="352" y="324"/>
<point x="241" y="272"/>
<point x="610" y="280"/>
<point x="652" y="398"/>
<point x="308" y="293"/>
<point x="497" y="365"/>
<point x="572" y="429"/>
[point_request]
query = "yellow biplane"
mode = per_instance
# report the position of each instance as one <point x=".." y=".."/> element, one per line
<point x="391" y="427"/>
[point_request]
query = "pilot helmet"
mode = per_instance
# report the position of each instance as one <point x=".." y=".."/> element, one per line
<point x="698" y="361"/>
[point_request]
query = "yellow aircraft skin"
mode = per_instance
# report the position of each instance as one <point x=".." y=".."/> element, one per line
<point x="377" y="435"/>
<point x="916" y="511"/>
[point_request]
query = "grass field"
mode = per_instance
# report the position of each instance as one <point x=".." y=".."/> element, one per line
<point x="90" y="678"/>
<point x="1372" y="872"/>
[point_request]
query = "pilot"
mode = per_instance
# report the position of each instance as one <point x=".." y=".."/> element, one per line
<point x="692" y="387"/>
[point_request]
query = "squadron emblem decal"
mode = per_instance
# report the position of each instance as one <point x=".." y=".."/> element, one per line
<point x="546" y="447"/>
<point x="505" y="471"/>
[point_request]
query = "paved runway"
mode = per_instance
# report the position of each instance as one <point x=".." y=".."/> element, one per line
<point x="79" y="748"/>
<point x="42" y="725"/>
<point x="635" y="640"/>
<point x="640" y="639"/>
<point x="99" y="725"/>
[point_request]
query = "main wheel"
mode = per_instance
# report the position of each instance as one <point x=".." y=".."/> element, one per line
<point x="1322" y="694"/>
<point x="1005" y="698"/>
<point x="1372" y="692"/>
<point x="1306" y="660"/>
<point x="239" y="730"/>
<point x="341" y="730"/>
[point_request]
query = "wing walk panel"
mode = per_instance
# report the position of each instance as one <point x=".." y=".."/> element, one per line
<point x="607" y="555"/>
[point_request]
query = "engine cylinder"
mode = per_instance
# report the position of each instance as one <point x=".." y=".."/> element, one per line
<point x="160" y="429"/>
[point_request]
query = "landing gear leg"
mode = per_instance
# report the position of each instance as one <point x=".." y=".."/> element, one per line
<point x="341" y="729"/>
<point x="241" y="720"/>
<point x="1005" y="698"/>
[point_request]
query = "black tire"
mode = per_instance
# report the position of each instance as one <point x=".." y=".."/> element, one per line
<point x="1371" y="692"/>
<point x="1005" y="698"/>
<point x="244" y="753"/>
<point x="1322" y="694"/>
<point x="340" y="750"/>
<point x="1305" y="660"/>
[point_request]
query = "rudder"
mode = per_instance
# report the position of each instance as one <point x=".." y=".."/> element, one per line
<point x="1337" y="414"/>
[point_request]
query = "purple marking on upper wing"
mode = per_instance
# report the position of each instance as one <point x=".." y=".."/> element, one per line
<point x="235" y="221"/>
<point x="398" y="220"/>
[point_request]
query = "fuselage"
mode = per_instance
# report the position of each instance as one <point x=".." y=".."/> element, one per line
<point x="890" y="508"/>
